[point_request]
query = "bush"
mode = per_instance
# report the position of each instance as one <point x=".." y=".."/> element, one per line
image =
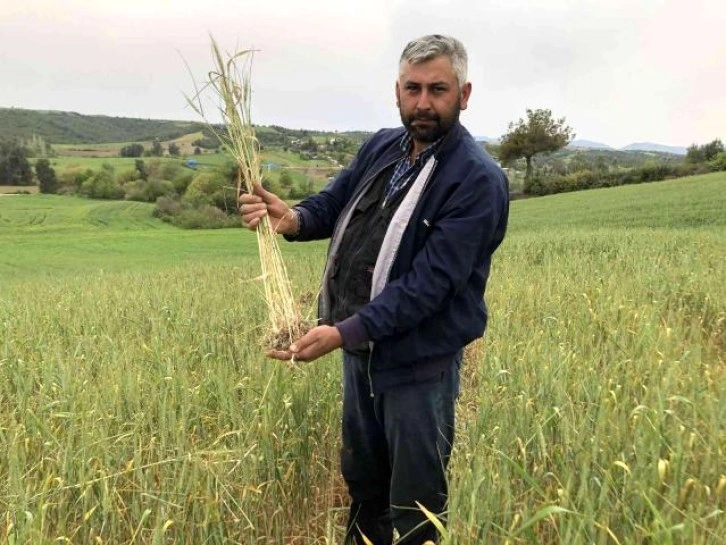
<point x="204" y="217"/>
<point x="719" y="162"/>
<point x="274" y="187"/>
<point x="132" y="150"/>
<point x="202" y="186"/>
<point x="301" y="190"/>
<point x="128" y="175"/>
<point x="183" y="214"/>
<point x="207" y="142"/>
<point x="588" y="179"/>
<point x="102" y="185"/>
<point x="167" y="208"/>
<point x="212" y="188"/>
<point x="169" y="170"/>
<point x="148" y="190"/>
<point x="182" y="181"/>
<point x="72" y="178"/>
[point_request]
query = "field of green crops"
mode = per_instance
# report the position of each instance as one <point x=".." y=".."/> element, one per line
<point x="136" y="406"/>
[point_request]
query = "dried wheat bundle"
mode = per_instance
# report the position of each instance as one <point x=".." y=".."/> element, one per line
<point x="230" y="84"/>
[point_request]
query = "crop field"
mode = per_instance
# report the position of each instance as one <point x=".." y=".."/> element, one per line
<point x="136" y="405"/>
<point x="113" y="149"/>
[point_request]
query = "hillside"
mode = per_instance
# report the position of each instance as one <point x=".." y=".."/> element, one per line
<point x="67" y="128"/>
<point x="589" y="158"/>
<point x="650" y="146"/>
<point x="72" y="128"/>
<point x="589" y="144"/>
<point x="636" y="146"/>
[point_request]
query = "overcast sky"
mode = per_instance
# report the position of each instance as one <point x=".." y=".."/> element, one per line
<point x="620" y="71"/>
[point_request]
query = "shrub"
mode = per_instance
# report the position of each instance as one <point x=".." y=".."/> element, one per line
<point x="72" y="178"/>
<point x="182" y="181"/>
<point x="148" y="190"/>
<point x="132" y="150"/>
<point x="301" y="190"/>
<point x="719" y="162"/>
<point x="211" y="188"/>
<point x="128" y="175"/>
<point x="589" y="179"/>
<point x="102" y="185"/>
<point x="202" y="186"/>
<point x="167" y="208"/>
<point x="204" y="217"/>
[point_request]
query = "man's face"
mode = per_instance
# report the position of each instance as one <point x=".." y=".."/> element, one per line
<point x="429" y="98"/>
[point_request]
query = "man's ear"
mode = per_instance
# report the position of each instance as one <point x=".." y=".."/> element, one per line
<point x="398" y="94"/>
<point x="464" y="96"/>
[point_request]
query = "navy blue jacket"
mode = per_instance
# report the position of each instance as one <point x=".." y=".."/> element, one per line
<point x="432" y="304"/>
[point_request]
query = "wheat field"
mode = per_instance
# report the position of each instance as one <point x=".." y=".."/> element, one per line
<point x="136" y="407"/>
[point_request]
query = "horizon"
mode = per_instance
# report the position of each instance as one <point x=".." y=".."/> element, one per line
<point x="478" y="137"/>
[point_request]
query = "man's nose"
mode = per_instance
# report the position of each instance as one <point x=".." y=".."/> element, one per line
<point x="424" y="101"/>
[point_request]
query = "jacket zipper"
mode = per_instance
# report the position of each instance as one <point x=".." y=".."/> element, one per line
<point x="371" y="344"/>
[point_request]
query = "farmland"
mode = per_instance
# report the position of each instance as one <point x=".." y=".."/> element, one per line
<point x="136" y="405"/>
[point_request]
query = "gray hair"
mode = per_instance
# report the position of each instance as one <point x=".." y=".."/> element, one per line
<point x="429" y="47"/>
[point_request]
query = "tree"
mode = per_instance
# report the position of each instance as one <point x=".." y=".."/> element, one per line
<point x="132" y="150"/>
<point x="157" y="150"/>
<point x="47" y="180"/>
<point x="140" y="166"/>
<point x="174" y="150"/>
<point x="14" y="166"/>
<point x="37" y="146"/>
<point x="712" y="149"/>
<point x="539" y="133"/>
<point x="704" y="153"/>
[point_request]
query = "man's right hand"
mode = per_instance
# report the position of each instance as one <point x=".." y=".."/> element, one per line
<point x="260" y="203"/>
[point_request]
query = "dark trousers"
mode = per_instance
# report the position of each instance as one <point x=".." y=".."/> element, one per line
<point x="396" y="446"/>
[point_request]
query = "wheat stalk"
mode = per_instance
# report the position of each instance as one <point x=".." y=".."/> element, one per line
<point x="230" y="83"/>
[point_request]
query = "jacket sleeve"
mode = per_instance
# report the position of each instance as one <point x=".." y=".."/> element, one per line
<point x="462" y="237"/>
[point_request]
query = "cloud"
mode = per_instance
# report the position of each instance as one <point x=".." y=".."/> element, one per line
<point x="617" y="70"/>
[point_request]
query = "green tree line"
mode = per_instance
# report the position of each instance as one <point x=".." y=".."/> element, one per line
<point x="540" y="134"/>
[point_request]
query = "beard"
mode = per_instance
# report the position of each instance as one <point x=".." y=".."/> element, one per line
<point x="429" y="127"/>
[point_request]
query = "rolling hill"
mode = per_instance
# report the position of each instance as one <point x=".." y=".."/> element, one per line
<point x="73" y="128"/>
<point x="70" y="128"/>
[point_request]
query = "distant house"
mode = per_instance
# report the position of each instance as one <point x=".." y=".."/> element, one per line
<point x="270" y="166"/>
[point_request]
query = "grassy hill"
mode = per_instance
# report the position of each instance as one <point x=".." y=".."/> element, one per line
<point x="693" y="202"/>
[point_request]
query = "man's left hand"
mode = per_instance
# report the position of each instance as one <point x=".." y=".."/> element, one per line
<point x="315" y="343"/>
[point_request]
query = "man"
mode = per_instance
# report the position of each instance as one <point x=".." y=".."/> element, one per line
<point x="414" y="222"/>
